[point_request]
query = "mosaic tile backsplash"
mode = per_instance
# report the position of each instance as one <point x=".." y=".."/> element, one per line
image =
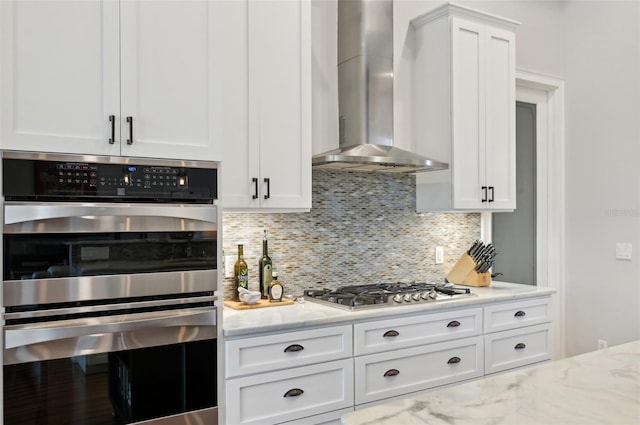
<point x="362" y="228"/>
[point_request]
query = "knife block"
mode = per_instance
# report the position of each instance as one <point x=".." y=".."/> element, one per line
<point x="464" y="273"/>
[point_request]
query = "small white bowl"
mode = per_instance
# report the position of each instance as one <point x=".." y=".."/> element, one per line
<point x="250" y="297"/>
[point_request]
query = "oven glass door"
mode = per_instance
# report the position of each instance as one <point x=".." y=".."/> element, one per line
<point x="112" y="388"/>
<point x="42" y="256"/>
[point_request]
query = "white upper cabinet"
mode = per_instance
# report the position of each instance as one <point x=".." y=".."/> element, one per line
<point x="132" y="78"/>
<point x="464" y="105"/>
<point x="267" y="163"/>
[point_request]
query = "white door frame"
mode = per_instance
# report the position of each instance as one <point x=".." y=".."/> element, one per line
<point x="547" y="93"/>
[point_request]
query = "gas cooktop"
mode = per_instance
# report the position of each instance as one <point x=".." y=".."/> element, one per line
<point x="358" y="297"/>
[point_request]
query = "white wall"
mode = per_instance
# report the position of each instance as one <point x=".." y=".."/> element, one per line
<point x="602" y="177"/>
<point x="595" y="47"/>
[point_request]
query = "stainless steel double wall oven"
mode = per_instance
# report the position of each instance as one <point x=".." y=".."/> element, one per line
<point x="108" y="293"/>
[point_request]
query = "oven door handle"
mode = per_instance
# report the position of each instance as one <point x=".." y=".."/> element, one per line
<point x="23" y="335"/>
<point x="15" y="213"/>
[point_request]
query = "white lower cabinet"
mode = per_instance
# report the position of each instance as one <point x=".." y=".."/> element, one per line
<point x="289" y="376"/>
<point x="399" y="372"/>
<point x="517" y="334"/>
<point x="316" y="375"/>
<point x="411" y="331"/>
<point x="283" y="351"/>
<point x="280" y="396"/>
<point x="516" y="348"/>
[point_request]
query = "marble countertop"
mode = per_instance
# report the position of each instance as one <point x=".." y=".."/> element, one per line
<point x="288" y="317"/>
<point x="600" y="387"/>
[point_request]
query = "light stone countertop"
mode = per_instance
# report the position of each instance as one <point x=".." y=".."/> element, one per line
<point x="601" y="387"/>
<point x="307" y="314"/>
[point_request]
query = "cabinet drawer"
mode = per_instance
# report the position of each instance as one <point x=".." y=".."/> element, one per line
<point x="500" y="317"/>
<point x="399" y="372"/>
<point x="279" y="351"/>
<point x="517" y="347"/>
<point x="275" y="397"/>
<point x="392" y="334"/>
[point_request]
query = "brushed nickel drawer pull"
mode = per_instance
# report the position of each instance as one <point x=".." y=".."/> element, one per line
<point x="520" y="313"/>
<point x="392" y="372"/>
<point x="520" y="346"/>
<point x="453" y="324"/>
<point x="454" y="360"/>
<point x="293" y="348"/>
<point x="294" y="392"/>
<point x="391" y="333"/>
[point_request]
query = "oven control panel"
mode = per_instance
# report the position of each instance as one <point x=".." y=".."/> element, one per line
<point x="28" y="179"/>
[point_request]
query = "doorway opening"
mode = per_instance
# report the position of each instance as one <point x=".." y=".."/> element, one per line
<point x="514" y="232"/>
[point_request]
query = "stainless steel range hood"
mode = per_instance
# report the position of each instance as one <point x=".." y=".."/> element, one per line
<point x="365" y="94"/>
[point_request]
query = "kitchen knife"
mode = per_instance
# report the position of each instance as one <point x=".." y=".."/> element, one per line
<point x="474" y="247"/>
<point x="488" y="263"/>
<point x="479" y="247"/>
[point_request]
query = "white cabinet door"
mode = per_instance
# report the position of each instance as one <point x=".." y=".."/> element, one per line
<point x="73" y="71"/>
<point x="483" y="67"/>
<point x="473" y="56"/>
<point x="60" y="76"/>
<point x="468" y="91"/>
<point x="167" y="70"/>
<point x="500" y="131"/>
<point x="272" y="168"/>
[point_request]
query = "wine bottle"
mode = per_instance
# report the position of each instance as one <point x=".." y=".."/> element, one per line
<point x="275" y="289"/>
<point x="240" y="273"/>
<point x="265" y="266"/>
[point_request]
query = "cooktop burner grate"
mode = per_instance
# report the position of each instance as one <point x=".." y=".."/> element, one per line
<point x="357" y="297"/>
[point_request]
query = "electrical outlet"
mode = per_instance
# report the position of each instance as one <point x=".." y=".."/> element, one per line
<point x="439" y="255"/>
<point x="229" y="262"/>
<point x="602" y="344"/>
<point x="623" y="251"/>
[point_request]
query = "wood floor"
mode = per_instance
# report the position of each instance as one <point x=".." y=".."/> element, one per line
<point x="57" y="392"/>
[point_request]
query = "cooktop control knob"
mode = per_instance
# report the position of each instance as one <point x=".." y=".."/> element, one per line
<point x="433" y="294"/>
<point x="407" y="298"/>
<point x="416" y="296"/>
<point x="397" y="298"/>
<point x="425" y="295"/>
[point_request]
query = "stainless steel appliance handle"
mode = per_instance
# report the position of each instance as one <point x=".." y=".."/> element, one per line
<point x="23" y="335"/>
<point x="25" y="212"/>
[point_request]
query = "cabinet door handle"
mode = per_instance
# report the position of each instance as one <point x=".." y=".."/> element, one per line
<point x="294" y="392"/>
<point x="130" y="139"/>
<point x="391" y="333"/>
<point x="453" y="324"/>
<point x="454" y="360"/>
<point x="484" y="194"/>
<point x="491" y="197"/>
<point x="392" y="372"/>
<point x="112" y="121"/>
<point x="268" y="182"/>
<point x="293" y="348"/>
<point x="520" y="346"/>
<point x="255" y="187"/>
<point x="519" y="313"/>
